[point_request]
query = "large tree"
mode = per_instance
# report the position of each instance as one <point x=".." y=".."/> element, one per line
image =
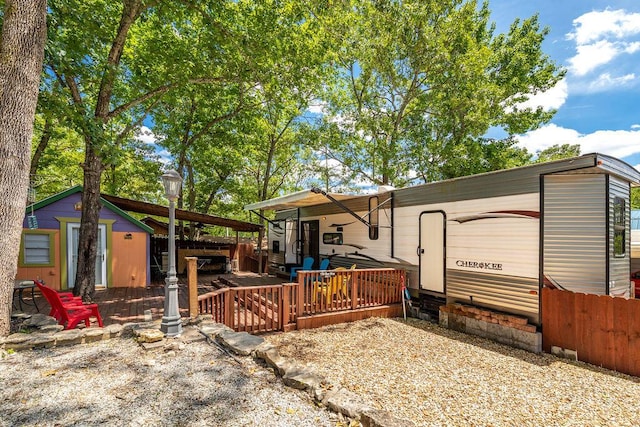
<point x="116" y="60"/>
<point x="423" y="81"/>
<point x="242" y="137"/>
<point x="21" y="56"/>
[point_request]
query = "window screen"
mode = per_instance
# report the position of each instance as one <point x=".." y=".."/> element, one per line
<point x="37" y="249"/>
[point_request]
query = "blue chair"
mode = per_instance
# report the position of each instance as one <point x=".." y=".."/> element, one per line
<point x="307" y="264"/>
<point x="324" y="264"/>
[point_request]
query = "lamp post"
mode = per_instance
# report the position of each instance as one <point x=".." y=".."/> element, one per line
<point x="171" y="323"/>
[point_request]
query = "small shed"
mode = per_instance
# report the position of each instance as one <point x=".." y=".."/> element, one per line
<point x="49" y="243"/>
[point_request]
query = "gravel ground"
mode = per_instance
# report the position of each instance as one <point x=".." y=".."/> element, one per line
<point x="118" y="383"/>
<point x="414" y="369"/>
<point x="437" y="377"/>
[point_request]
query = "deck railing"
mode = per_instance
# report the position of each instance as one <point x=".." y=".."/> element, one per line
<point x="337" y="290"/>
<point x="258" y="309"/>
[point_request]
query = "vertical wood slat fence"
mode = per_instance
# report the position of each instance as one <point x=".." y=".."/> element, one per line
<point x="259" y="309"/>
<point x="604" y="331"/>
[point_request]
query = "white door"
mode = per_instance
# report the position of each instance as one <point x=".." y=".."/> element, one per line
<point x="431" y="251"/>
<point x="73" y="231"/>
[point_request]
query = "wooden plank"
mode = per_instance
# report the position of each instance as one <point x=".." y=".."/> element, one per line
<point x="583" y="326"/>
<point x="600" y="342"/>
<point x="634" y="337"/>
<point x="550" y="321"/>
<point x="620" y="360"/>
<point x="319" y="320"/>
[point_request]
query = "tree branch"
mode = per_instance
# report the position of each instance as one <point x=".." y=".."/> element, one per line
<point x="131" y="11"/>
<point x="157" y="91"/>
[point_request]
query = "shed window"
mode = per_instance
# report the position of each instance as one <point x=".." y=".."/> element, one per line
<point x="619" y="227"/>
<point x="37" y="249"/>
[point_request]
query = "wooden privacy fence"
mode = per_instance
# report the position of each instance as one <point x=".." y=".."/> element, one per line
<point x="603" y="330"/>
<point x="328" y="296"/>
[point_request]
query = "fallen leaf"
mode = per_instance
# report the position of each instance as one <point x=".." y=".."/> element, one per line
<point x="49" y="373"/>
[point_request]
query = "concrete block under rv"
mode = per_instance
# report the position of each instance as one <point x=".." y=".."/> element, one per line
<point x="491" y="240"/>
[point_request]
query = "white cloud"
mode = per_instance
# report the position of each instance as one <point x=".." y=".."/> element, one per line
<point x="146" y="135"/>
<point x="591" y="56"/>
<point x="601" y="36"/>
<point x="551" y="99"/>
<point x="597" y="25"/>
<point x="635" y="126"/>
<point x="316" y="108"/>
<point x="164" y="157"/>
<point x="632" y="47"/>
<point x="605" y="81"/>
<point x="617" y="143"/>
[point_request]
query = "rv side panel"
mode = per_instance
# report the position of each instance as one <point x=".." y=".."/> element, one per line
<point x="487" y="231"/>
<point x="575" y="232"/>
<point x="619" y="234"/>
<point x="518" y="295"/>
<point x="494" y="184"/>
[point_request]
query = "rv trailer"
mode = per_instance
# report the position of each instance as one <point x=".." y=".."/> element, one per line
<point x="492" y="240"/>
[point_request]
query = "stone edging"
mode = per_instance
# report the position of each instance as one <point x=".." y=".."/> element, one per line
<point x="301" y="377"/>
<point x="48" y="334"/>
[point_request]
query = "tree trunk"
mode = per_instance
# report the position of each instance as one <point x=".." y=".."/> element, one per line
<point x="85" y="282"/>
<point x="24" y="34"/>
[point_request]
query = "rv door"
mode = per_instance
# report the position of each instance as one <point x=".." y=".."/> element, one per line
<point x="431" y="252"/>
<point x="291" y="241"/>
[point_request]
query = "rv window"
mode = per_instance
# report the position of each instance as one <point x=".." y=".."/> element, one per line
<point x="332" y="238"/>
<point x="374" y="216"/>
<point x="275" y="247"/>
<point x="619" y="227"/>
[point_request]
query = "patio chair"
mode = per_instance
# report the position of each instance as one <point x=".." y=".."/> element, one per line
<point x="67" y="309"/>
<point x="335" y="285"/>
<point x="307" y="264"/>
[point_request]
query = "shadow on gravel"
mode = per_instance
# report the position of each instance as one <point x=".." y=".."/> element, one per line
<point x="543" y="359"/>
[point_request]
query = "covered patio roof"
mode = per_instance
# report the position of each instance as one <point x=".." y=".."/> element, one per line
<point x="163" y="211"/>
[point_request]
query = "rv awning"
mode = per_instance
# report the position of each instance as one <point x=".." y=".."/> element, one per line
<point x="296" y="200"/>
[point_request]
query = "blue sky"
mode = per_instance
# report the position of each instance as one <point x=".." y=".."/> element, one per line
<point x="598" y="103"/>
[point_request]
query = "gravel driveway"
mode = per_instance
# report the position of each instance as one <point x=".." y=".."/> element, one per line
<point x="414" y="369"/>
<point x="437" y="377"/>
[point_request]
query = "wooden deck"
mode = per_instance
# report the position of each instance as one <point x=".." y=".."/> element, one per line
<point x="123" y="305"/>
<point x="259" y="303"/>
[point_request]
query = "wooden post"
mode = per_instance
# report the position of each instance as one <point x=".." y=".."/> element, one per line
<point x="192" y="280"/>
<point x="284" y="309"/>
<point x="300" y="297"/>
<point x="355" y="281"/>
<point x="229" y="308"/>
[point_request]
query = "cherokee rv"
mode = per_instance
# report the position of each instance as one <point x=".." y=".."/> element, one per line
<point x="492" y="239"/>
